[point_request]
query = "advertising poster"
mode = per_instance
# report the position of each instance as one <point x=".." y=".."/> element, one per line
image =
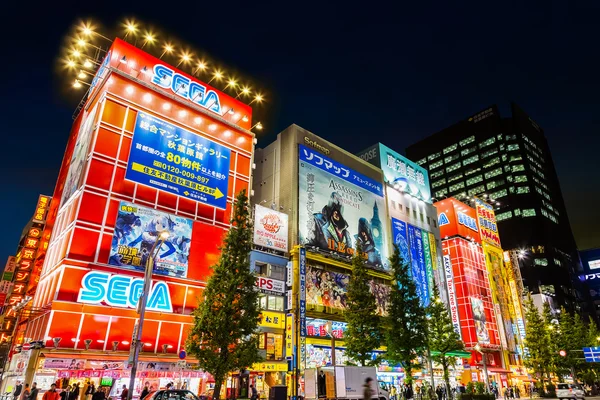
<point x="486" y="219"/>
<point x="410" y="176"/>
<point x="452" y="294"/>
<point x="330" y="289"/>
<point x="169" y="158"/>
<point x="339" y="208"/>
<point x="418" y="270"/>
<point x="75" y="174"/>
<point x="270" y="228"/>
<point x="401" y="238"/>
<point x="433" y="248"/>
<point x="138" y="228"/>
<point x="483" y="336"/>
<point x="428" y="261"/>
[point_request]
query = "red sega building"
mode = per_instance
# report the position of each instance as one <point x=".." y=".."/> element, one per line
<point x="471" y="303"/>
<point x="112" y="184"/>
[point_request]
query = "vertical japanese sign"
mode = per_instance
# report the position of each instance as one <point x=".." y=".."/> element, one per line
<point x="433" y="248"/>
<point x="517" y="307"/>
<point x="486" y="218"/>
<point x="428" y="261"/>
<point x="340" y="208"/>
<point x="167" y="157"/>
<point x="9" y="269"/>
<point x="418" y="270"/>
<point x="451" y="294"/>
<point x="136" y="231"/>
<point x="302" y="307"/>
<point x="290" y="337"/>
<point x="400" y="236"/>
<point x="41" y="210"/>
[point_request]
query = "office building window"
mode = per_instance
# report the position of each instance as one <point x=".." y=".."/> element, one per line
<point x="528" y="212"/>
<point x="503" y="216"/>
<point x="476" y="190"/>
<point x="541" y="261"/>
<point x="520" y="178"/>
<point x="487" y="142"/>
<point x="438" y="183"/>
<point x="474" y="180"/>
<point x="517" y="212"/>
<point x="490" y="152"/>
<point x="434" y="156"/>
<point x="517" y="157"/>
<point x="440" y="193"/>
<point x="518" y="167"/>
<point x="467" y="141"/>
<point x="522" y="189"/>
<point x="268" y="302"/>
<point x="461" y="195"/>
<point x="422" y="161"/>
<point x="453" y="167"/>
<point x="511" y="137"/>
<point x="437" y="174"/>
<point x="457" y="186"/>
<point x="491" y="162"/>
<point x="472" y="171"/>
<point x="512" y="147"/>
<point x="436" y="164"/>
<point x="557" y="262"/>
<point x="408" y="211"/>
<point x="494" y="184"/>
<point x="493" y="173"/>
<point x="470" y="160"/>
<point x="421" y="217"/>
<point x="450" y="148"/>
<point x="455" y="177"/>
<point x="464" y="152"/>
<point x="451" y="158"/>
<point x="498" y="194"/>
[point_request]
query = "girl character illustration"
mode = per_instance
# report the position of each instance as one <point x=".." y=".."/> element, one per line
<point x="150" y="235"/>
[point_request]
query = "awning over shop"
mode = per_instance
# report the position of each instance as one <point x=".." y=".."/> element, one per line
<point x="460" y="354"/>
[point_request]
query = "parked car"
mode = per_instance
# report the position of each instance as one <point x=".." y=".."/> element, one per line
<point x="569" y="391"/>
<point x="207" y="395"/>
<point x="164" y="394"/>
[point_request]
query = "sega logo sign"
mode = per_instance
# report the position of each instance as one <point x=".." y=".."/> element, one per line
<point x="122" y="291"/>
<point x="467" y="221"/>
<point x="184" y="87"/>
<point x="270" y="285"/>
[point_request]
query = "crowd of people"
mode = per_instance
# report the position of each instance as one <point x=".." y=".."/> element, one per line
<point x="71" y="392"/>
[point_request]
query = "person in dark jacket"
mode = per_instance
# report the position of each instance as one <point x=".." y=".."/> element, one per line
<point x="75" y="392"/>
<point x="367" y="391"/>
<point x="99" y="395"/>
<point x="145" y="391"/>
<point x="34" y="392"/>
<point x="18" y="390"/>
<point x="367" y="244"/>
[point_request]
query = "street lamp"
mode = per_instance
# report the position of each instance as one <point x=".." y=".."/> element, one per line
<point x="485" y="371"/>
<point x="141" y="310"/>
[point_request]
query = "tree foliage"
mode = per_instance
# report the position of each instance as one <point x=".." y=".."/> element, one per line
<point x="442" y="337"/>
<point x="406" y="323"/>
<point x="363" y="334"/>
<point x="571" y="336"/>
<point x="538" y="355"/>
<point x="223" y="337"/>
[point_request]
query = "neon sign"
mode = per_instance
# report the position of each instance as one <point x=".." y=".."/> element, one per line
<point x="122" y="291"/>
<point x="184" y="87"/>
<point x="467" y="221"/>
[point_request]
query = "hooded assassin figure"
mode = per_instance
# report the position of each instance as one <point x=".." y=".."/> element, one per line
<point x="365" y="238"/>
<point x="331" y="225"/>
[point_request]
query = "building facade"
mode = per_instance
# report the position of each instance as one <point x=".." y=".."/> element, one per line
<point x="152" y="150"/>
<point x="508" y="162"/>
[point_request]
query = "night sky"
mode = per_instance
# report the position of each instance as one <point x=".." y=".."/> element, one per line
<point x="352" y="72"/>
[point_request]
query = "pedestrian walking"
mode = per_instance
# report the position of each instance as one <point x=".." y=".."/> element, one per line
<point x="25" y="393"/>
<point x="367" y="391"/>
<point x="145" y="391"/>
<point x="124" y="393"/>
<point x="34" y="392"/>
<point x="51" y="394"/>
<point x="89" y="391"/>
<point x="253" y="393"/>
<point x="18" y="390"/>
<point x="99" y="395"/>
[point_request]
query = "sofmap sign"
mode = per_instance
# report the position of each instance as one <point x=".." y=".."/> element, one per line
<point x="270" y="228"/>
<point x="397" y="169"/>
<point x="115" y="290"/>
<point x="169" y="158"/>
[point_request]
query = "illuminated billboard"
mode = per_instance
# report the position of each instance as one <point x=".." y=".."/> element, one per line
<point x="339" y="208"/>
<point x="270" y="228"/>
<point x="457" y="218"/>
<point x="167" y="157"/>
<point x="483" y="335"/>
<point x="399" y="171"/>
<point x="136" y="231"/>
<point x="486" y="219"/>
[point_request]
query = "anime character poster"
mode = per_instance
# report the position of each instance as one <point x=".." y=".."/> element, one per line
<point x="330" y="289"/>
<point x="418" y="268"/>
<point x="483" y="336"/>
<point x="401" y="238"/>
<point x="340" y="208"/>
<point x="82" y="145"/>
<point x="137" y="230"/>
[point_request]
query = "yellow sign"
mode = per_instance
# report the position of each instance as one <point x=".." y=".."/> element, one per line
<point x="289" y="336"/>
<point x="270" y="319"/>
<point x="270" y="367"/>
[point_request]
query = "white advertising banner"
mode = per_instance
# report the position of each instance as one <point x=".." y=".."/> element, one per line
<point x="270" y="228"/>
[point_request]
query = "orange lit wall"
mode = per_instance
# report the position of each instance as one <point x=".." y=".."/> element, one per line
<point x="83" y="225"/>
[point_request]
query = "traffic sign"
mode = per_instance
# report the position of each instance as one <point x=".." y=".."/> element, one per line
<point x="26" y="346"/>
<point x="182" y="354"/>
<point x="591" y="354"/>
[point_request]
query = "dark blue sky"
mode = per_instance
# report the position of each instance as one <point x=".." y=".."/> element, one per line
<point x="352" y="72"/>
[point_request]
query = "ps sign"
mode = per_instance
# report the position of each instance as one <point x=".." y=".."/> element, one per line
<point x="268" y="285"/>
<point x="122" y="291"/>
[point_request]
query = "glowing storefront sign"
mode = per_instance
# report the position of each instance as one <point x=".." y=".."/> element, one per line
<point x="487" y="223"/>
<point x="467" y="221"/>
<point x="451" y="294"/>
<point x="271" y="319"/>
<point x="184" y="87"/>
<point x="99" y="287"/>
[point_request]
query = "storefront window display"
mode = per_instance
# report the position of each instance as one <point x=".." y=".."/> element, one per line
<point x="272" y="343"/>
<point x="272" y="303"/>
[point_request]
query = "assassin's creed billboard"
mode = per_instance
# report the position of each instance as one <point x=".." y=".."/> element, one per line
<point x="340" y="208"/>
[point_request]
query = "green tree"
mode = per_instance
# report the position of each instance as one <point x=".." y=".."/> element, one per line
<point x="223" y="337"/>
<point x="551" y="325"/>
<point x="538" y="355"/>
<point x="442" y="337"/>
<point x="363" y="334"/>
<point x="593" y="334"/>
<point x="406" y="323"/>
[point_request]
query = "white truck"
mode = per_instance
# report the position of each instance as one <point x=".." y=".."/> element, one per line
<point x="342" y="383"/>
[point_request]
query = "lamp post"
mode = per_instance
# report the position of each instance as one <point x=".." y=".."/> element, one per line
<point x="141" y="310"/>
<point x="485" y="371"/>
